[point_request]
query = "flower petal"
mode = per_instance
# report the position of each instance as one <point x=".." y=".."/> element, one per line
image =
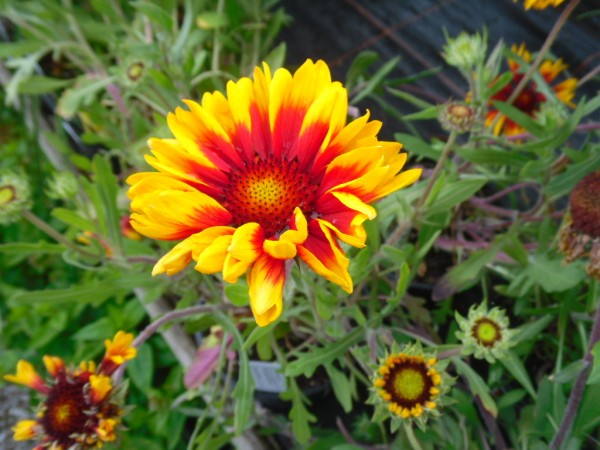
<point x="322" y="253"/>
<point x="265" y="282"/>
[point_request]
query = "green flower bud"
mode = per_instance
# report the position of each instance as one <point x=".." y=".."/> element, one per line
<point x="484" y="334"/>
<point x="465" y="51"/>
<point x="62" y="185"/>
<point x="15" y="196"/>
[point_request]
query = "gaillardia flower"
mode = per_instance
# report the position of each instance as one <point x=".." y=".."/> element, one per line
<point x="541" y="4"/>
<point x="484" y="334"/>
<point x="82" y="409"/>
<point x="15" y="196"/>
<point x="267" y="174"/>
<point x="580" y="235"/>
<point x="409" y="385"/>
<point x="531" y="98"/>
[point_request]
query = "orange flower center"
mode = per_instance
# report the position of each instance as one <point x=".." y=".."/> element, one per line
<point x="266" y="192"/>
<point x="585" y="205"/>
<point x="65" y="411"/>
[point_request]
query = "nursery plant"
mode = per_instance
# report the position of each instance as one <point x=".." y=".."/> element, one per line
<point x="205" y="246"/>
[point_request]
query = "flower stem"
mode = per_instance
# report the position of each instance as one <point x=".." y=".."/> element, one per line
<point x="43" y="226"/>
<point x="579" y="386"/>
<point x="410" y="434"/>
<point x="401" y="229"/>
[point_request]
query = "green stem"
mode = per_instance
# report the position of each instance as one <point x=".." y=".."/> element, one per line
<point x="402" y="228"/>
<point x="43" y="226"/>
<point x="216" y="40"/>
<point x="579" y="386"/>
<point x="410" y="434"/>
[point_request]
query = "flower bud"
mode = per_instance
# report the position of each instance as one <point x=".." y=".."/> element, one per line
<point x="465" y="51"/>
<point x="458" y="116"/>
<point x="15" y="196"/>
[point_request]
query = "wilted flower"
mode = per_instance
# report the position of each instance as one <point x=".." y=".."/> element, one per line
<point x="484" y="334"/>
<point x="267" y="174"/>
<point x="82" y="409"/>
<point x="530" y="100"/>
<point x="465" y="51"/>
<point x="458" y="116"/>
<point x="207" y="359"/>
<point x="580" y="235"/>
<point x="410" y="385"/>
<point x="541" y="4"/>
<point x="15" y="196"/>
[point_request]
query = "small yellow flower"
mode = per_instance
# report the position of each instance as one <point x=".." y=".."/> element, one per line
<point x="25" y="430"/>
<point x="106" y="429"/>
<point x="119" y="349"/>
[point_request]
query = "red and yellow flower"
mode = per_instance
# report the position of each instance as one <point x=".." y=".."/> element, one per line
<point x="531" y="98"/>
<point x="541" y="4"/>
<point x="267" y="174"/>
<point x="81" y="409"/>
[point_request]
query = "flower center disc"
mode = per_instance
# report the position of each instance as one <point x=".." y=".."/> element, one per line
<point x="585" y="205"/>
<point x="7" y="194"/>
<point x="65" y="415"/>
<point x="486" y="332"/>
<point x="266" y="192"/>
<point x="409" y="384"/>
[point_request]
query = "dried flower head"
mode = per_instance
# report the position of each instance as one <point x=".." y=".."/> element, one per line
<point x="580" y="235"/>
<point x="465" y="51"/>
<point x="15" y="196"/>
<point x="458" y="116"/>
<point x="409" y="385"/>
<point x="484" y="333"/>
<point x="82" y="408"/>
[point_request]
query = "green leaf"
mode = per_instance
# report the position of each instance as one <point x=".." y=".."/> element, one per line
<point x="157" y="14"/>
<point x="107" y="187"/>
<point x="594" y="376"/>
<point x="257" y="334"/>
<point x="308" y="362"/>
<point x="416" y="146"/>
<point x="533" y="329"/>
<point x="376" y="80"/>
<point x="212" y="20"/>
<point x="93" y="292"/>
<point x="237" y="294"/>
<point x="244" y="388"/>
<point x="341" y="387"/>
<point x="426" y="114"/>
<point x="276" y="57"/>
<point x="515" y="366"/>
<point x="569" y="373"/>
<point x="552" y="275"/>
<point x="50" y="330"/>
<point x="72" y="218"/>
<point x="141" y="368"/>
<point x="401" y="287"/>
<point x="29" y="248"/>
<point x="37" y="84"/>
<point x="359" y="66"/>
<point x="458" y="277"/>
<point x="20" y="48"/>
<point x="477" y="386"/>
<point x="299" y="415"/>
<point x="564" y="183"/>
<point x="82" y="94"/>
<point x="519" y="117"/>
<point x="454" y="193"/>
<point x="96" y="331"/>
<point x="489" y="156"/>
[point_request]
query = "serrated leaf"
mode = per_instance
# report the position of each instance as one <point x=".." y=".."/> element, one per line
<point x="299" y="415"/>
<point x="454" y="193"/>
<point x="341" y="387"/>
<point x="308" y="362"/>
<point x="552" y="275"/>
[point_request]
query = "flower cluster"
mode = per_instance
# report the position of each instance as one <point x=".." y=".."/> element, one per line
<point x="82" y="408"/>
<point x="531" y="98"/>
<point x="410" y="385"/>
<point x="484" y="334"/>
<point x="267" y="174"/>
